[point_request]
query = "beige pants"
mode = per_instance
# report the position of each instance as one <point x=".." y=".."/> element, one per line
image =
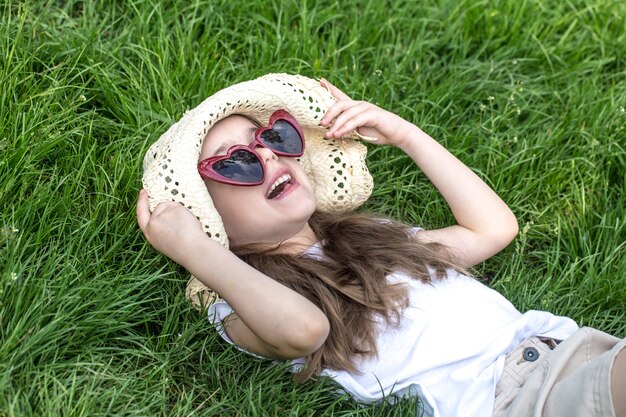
<point x="571" y="379"/>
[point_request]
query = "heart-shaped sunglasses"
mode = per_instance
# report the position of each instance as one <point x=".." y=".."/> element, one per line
<point x="242" y="165"/>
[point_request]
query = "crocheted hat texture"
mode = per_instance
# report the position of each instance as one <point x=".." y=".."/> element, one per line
<point x="336" y="167"/>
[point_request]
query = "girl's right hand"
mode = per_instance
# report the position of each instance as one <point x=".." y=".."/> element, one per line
<point x="171" y="228"/>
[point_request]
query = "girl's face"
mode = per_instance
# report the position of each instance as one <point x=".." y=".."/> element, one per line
<point x="251" y="214"/>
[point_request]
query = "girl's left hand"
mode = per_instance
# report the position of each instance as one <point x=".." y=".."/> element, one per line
<point x="366" y="118"/>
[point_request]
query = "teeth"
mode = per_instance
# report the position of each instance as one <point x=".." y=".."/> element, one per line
<point x="279" y="181"/>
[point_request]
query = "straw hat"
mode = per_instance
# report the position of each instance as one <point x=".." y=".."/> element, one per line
<point x="336" y="167"/>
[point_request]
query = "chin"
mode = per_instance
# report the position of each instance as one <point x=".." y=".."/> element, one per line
<point x="307" y="208"/>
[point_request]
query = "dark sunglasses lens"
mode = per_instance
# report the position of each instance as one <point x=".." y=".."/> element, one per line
<point x="242" y="166"/>
<point x="283" y="137"/>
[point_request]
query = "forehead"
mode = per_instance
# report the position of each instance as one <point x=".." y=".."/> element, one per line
<point x="227" y="132"/>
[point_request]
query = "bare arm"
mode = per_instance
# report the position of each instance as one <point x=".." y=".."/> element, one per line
<point x="485" y="224"/>
<point x="271" y="320"/>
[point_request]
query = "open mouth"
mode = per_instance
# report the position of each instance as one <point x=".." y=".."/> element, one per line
<point x="279" y="186"/>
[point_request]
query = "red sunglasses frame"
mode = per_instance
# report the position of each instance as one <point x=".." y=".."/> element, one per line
<point x="205" y="167"/>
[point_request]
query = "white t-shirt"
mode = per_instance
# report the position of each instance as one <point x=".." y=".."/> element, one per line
<point x="449" y="347"/>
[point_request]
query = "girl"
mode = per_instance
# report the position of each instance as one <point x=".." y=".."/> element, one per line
<point x="382" y="308"/>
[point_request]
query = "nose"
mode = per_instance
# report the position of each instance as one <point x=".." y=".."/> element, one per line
<point x="265" y="153"/>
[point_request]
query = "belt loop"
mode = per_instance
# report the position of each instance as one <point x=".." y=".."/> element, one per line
<point x="552" y="343"/>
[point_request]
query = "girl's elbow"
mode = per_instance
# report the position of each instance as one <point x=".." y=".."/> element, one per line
<point x="310" y="336"/>
<point x="506" y="233"/>
<point x="512" y="229"/>
<point x="501" y="234"/>
<point x="505" y="227"/>
<point x="315" y="333"/>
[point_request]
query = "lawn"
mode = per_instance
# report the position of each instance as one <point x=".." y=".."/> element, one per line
<point x="530" y="94"/>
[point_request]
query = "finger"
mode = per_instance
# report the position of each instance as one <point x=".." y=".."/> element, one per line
<point x="358" y="121"/>
<point x="339" y="126"/>
<point x="349" y="112"/>
<point x="337" y="93"/>
<point x="164" y="206"/>
<point x="335" y="110"/>
<point x="143" y="209"/>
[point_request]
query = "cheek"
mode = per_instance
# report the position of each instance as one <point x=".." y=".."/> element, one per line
<point x="221" y="198"/>
<point x="300" y="173"/>
<point x="228" y="202"/>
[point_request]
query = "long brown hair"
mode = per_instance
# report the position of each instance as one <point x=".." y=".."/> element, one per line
<point x="348" y="283"/>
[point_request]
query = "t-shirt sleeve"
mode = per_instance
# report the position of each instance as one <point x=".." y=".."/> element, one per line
<point x="218" y="312"/>
<point x="413" y="230"/>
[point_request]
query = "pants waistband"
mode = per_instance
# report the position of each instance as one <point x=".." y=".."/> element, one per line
<point x="526" y="357"/>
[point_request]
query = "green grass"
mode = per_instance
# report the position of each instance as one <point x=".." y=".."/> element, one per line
<point x="530" y="94"/>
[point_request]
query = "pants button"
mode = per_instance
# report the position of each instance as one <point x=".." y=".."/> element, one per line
<point x="530" y="354"/>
